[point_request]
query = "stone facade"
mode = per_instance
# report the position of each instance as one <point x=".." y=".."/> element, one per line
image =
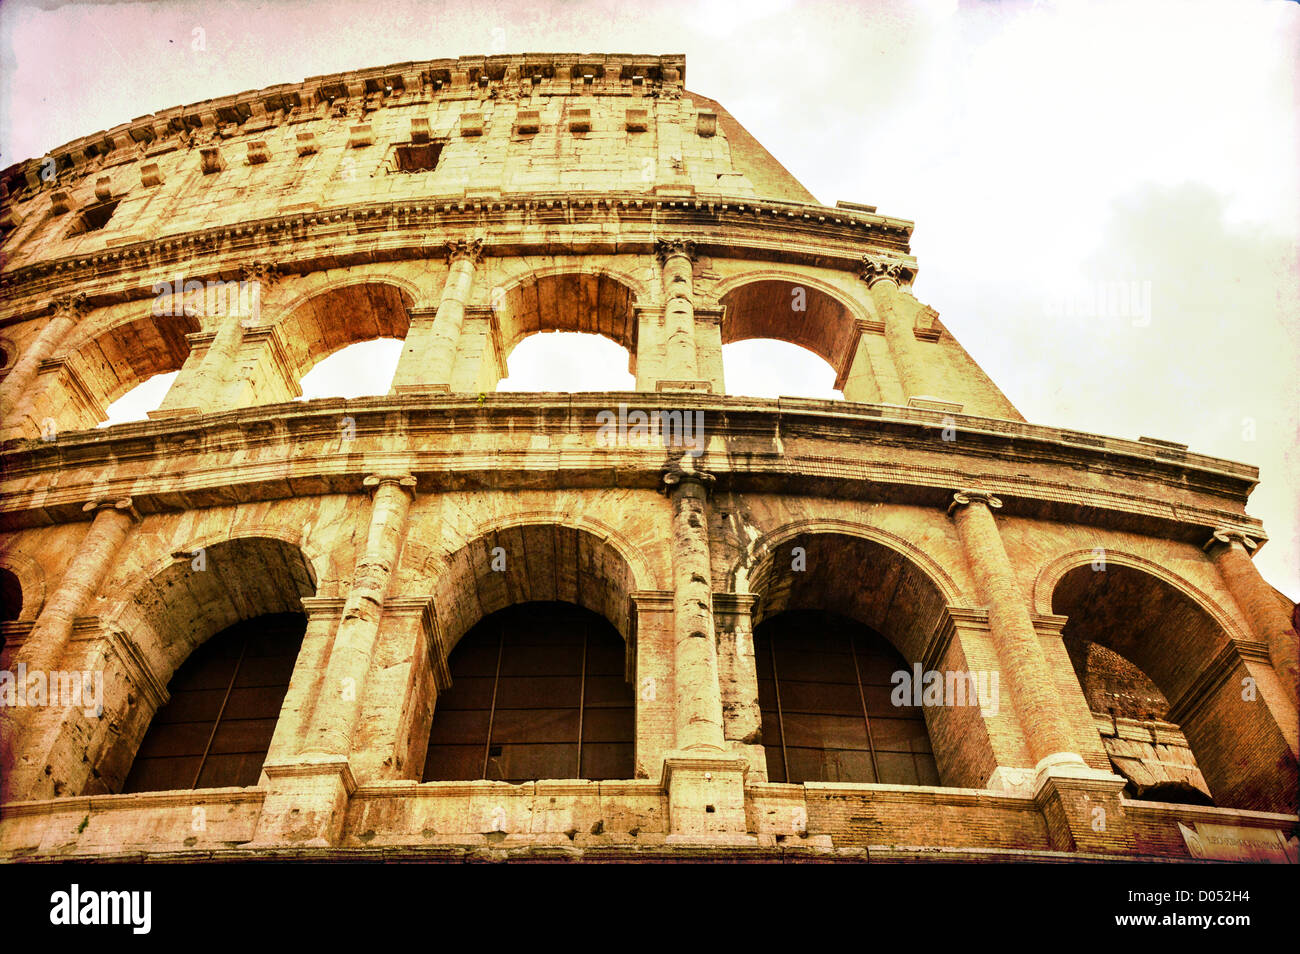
<point x="1148" y="674"/>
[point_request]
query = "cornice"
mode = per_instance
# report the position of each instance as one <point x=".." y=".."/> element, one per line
<point x="870" y="452"/>
<point x="808" y="234"/>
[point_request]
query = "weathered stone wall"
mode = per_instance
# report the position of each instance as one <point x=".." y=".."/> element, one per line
<point x="922" y="506"/>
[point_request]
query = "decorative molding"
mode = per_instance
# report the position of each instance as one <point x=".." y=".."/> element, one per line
<point x="668" y="248"/>
<point x="876" y="269"/>
<point x="963" y="497"/>
<point x="470" y="250"/>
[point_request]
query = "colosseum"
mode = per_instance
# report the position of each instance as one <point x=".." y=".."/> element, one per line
<point x="452" y="623"/>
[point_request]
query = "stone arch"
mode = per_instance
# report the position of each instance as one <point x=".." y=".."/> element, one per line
<point x="546" y="558"/>
<point x="758" y="305"/>
<point x="1207" y="682"/>
<point x="103" y="366"/>
<point x="738" y="574"/>
<point x="598" y="301"/>
<point x="31" y="582"/>
<point x="852" y="576"/>
<point x="1050" y="575"/>
<point x="316" y="325"/>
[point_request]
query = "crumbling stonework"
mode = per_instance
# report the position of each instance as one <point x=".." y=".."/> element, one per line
<point x="1147" y="671"/>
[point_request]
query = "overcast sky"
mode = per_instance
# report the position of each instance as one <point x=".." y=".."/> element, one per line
<point x="1048" y="151"/>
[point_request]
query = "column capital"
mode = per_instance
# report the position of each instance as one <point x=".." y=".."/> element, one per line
<point x="668" y="248"/>
<point x="1224" y="536"/>
<point x="405" y="481"/>
<point x="470" y="250"/>
<point x="74" y="305"/>
<point x="963" y="497"/>
<point x="878" y="269"/>
<point x="264" y="273"/>
<point x="123" y="504"/>
<point x="679" y="477"/>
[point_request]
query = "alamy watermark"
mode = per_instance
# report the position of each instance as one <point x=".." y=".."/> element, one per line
<point x="637" y="428"/>
<point x="195" y="298"/>
<point x="77" y="689"/>
<point x="931" y="687"/>
<point x="1103" y="299"/>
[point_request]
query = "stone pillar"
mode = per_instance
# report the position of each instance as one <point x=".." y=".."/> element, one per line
<point x="861" y="380"/>
<point x="698" y="696"/>
<point x="1020" y="655"/>
<point x="681" y="363"/>
<point x="897" y="310"/>
<point x="429" y="354"/>
<point x="705" y="783"/>
<point x="17" y="385"/>
<point x="1230" y="550"/>
<point x="334" y="718"/>
<point x="209" y="385"/>
<point x="742" y="722"/>
<point x="25" y="730"/>
<point x="307" y="793"/>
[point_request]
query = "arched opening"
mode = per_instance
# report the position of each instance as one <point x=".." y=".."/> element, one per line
<point x="826" y="691"/>
<point x="216" y="729"/>
<point x="538" y="691"/>
<point x="359" y="370"/>
<point x="136" y="403"/>
<point x="592" y="303"/>
<point x="11" y="597"/>
<point x="836" y="616"/>
<point x="220" y="627"/>
<point x="538" y="581"/>
<point x="772" y="369"/>
<point x="788" y="310"/>
<point x="568" y="361"/>
<point x="1168" y="668"/>
<point x="332" y="320"/>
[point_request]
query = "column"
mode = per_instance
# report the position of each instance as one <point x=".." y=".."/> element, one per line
<point x="1020" y="655"/>
<point x="24" y="732"/>
<point x="17" y="386"/>
<point x="334" y="718"/>
<point x="208" y="385"/>
<point x="1082" y="806"/>
<point x="308" y="791"/>
<point x="681" y="363"/>
<point x="429" y="354"/>
<point x="1230" y="548"/>
<point x="699" y="700"/>
<point x="897" y="310"/>
<point x="705" y="782"/>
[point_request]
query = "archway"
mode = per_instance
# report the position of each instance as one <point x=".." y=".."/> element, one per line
<point x="568" y="361"/>
<point x="1205" y="685"/>
<point x="841" y="610"/>
<point x="325" y="323"/>
<point x="764" y="367"/>
<point x="136" y="403"/>
<point x="538" y="691"/>
<point x="594" y="303"/>
<point x="363" y="369"/>
<point x="171" y="615"/>
<point x="794" y="309"/>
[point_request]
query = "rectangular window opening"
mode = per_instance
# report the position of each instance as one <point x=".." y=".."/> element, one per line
<point x="417" y="157"/>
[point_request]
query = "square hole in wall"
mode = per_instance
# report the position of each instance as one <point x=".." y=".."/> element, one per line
<point x="416" y="156"/>
<point x="93" y="218"/>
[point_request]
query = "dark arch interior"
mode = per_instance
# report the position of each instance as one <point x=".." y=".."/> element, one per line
<point x="538" y="691"/>
<point x="225" y="699"/>
<point x="824" y="688"/>
<point x="11" y="596"/>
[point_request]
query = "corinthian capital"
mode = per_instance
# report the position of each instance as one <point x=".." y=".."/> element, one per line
<point x="264" y="273"/>
<point x="877" y="269"/>
<point x="470" y="250"/>
<point x="963" y="497"/>
<point x="74" y="305"/>
<point x="667" y="248"/>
